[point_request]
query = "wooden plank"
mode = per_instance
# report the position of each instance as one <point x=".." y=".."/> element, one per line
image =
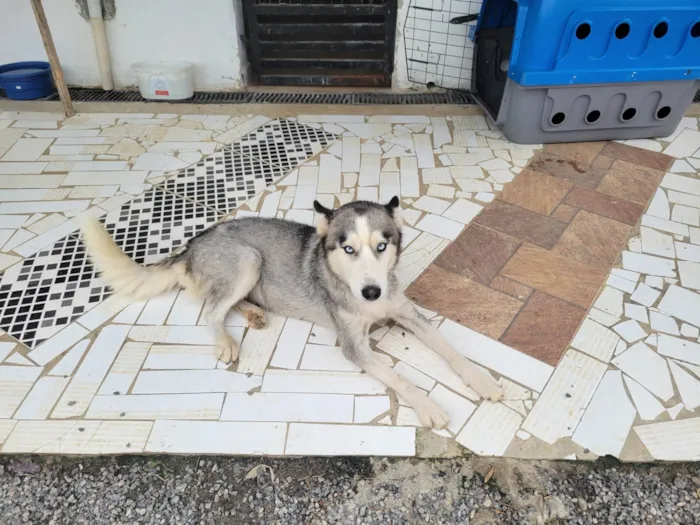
<point x="56" y="69"/>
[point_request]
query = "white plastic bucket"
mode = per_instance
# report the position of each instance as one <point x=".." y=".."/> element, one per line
<point x="165" y="80"/>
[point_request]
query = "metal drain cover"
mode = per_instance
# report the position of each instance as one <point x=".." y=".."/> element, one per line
<point x="373" y="98"/>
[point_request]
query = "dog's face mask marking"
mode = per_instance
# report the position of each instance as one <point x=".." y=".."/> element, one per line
<point x="363" y="241"/>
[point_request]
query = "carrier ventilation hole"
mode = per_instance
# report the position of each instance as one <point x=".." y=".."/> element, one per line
<point x="558" y="118"/>
<point x="593" y="116"/>
<point x="629" y="114"/>
<point x="695" y="30"/>
<point x="663" y="112"/>
<point x="622" y="30"/>
<point x="430" y="85"/>
<point x="661" y="29"/>
<point x="583" y="30"/>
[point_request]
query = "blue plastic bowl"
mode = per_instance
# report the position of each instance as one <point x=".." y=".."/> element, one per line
<point x="27" y="80"/>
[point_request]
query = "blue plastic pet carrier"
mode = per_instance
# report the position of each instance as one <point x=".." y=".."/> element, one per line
<point x="575" y="70"/>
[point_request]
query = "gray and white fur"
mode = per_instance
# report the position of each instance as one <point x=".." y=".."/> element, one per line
<point x="340" y="274"/>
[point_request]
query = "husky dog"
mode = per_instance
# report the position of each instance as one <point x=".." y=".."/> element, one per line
<point x="339" y="274"/>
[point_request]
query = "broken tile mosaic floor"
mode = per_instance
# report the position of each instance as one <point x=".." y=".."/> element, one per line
<point x="616" y="371"/>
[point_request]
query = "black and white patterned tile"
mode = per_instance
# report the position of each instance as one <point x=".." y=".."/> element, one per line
<point x="48" y="290"/>
<point x="224" y="181"/>
<point x="57" y="285"/>
<point x="283" y="143"/>
<point x="151" y="226"/>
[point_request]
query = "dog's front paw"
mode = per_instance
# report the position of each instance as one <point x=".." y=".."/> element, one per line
<point x="431" y="415"/>
<point x="487" y="387"/>
<point x="482" y="382"/>
<point x="226" y="350"/>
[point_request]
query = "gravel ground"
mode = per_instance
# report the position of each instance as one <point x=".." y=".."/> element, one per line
<point x="465" y="491"/>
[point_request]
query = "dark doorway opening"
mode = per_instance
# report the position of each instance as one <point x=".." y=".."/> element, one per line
<point x="321" y="42"/>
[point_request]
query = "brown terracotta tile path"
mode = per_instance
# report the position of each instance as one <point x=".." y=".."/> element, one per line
<point x="528" y="268"/>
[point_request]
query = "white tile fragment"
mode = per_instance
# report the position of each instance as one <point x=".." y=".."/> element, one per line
<point x="654" y="282"/>
<point x="630" y="331"/>
<point x="490" y="429"/>
<point x="41" y="398"/>
<point x="201" y="381"/>
<point x="659" y="207"/>
<point x="620" y="283"/>
<point x="217" y="437"/>
<point x="440" y="226"/>
<point x="647" y="405"/>
<point x="648" y="264"/>
<point x="87" y="379"/>
<point x="291" y="343"/>
<point x="608" y="418"/>
<point x="310" y="408"/>
<point x="15" y="382"/>
<point x="690" y="274"/>
<point x="657" y="243"/>
<point x="346" y="440"/>
<point x="595" y="340"/>
<point x="502" y="359"/>
<point x="458" y="408"/>
<point x="688" y="386"/>
<point x="152" y="407"/>
<point x="663" y="323"/>
<point x="688" y="330"/>
<point x="682" y="304"/>
<point x="331" y="358"/>
<point x="610" y="301"/>
<point x="57" y="344"/>
<point x="638" y="312"/>
<point x="368" y="408"/>
<point x="78" y="437"/>
<point x="648" y="368"/>
<point x="603" y="318"/>
<point x="672" y="440"/>
<point x="414" y="376"/>
<point x="680" y="349"/>
<point x="645" y="295"/>
<point x="315" y="382"/>
<point x="561" y="404"/>
<point x="463" y="211"/>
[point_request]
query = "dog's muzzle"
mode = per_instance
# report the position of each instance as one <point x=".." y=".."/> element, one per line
<point x="371" y="293"/>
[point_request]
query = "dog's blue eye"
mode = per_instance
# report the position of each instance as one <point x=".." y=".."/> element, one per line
<point x="349" y="250"/>
<point x="381" y="247"/>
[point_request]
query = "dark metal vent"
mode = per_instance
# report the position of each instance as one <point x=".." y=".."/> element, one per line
<point x="448" y="97"/>
<point x="697" y="97"/>
<point x="320" y="42"/>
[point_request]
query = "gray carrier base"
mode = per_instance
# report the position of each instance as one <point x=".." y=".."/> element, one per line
<point x="530" y="115"/>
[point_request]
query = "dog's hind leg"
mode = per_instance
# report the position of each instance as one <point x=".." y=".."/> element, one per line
<point x="485" y="385"/>
<point x="224" y="296"/>
<point x="253" y="314"/>
<point x="356" y="348"/>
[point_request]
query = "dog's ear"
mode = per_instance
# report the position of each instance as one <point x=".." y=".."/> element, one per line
<point x="323" y="218"/>
<point x="392" y="205"/>
<point x="393" y="210"/>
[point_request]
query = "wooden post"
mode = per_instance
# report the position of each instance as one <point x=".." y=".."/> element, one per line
<point x="56" y="69"/>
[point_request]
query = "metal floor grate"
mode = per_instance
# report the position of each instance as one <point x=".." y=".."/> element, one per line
<point x="448" y="97"/>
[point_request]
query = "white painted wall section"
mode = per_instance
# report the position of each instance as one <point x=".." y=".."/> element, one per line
<point x="206" y="33"/>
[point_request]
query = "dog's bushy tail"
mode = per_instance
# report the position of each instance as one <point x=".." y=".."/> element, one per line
<point x="126" y="277"/>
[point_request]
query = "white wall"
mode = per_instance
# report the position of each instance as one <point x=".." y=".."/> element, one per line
<point x="205" y="32"/>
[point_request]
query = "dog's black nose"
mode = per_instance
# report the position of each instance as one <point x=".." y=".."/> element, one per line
<point x="371" y="293"/>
